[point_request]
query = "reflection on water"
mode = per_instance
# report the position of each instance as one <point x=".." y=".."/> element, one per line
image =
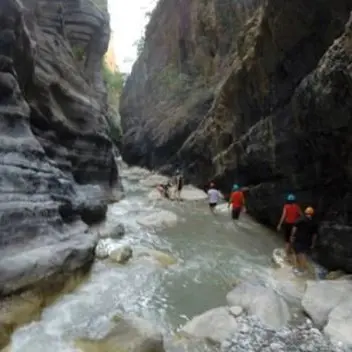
<point x="212" y="253"/>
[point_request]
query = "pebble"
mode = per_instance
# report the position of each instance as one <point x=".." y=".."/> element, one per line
<point x="236" y="311"/>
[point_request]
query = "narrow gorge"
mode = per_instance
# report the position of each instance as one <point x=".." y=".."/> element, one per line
<point x="257" y="91"/>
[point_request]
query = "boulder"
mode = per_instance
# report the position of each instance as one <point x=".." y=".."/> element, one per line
<point x="215" y="325"/>
<point x="121" y="255"/>
<point x="322" y="297"/>
<point x="160" y="257"/>
<point x="236" y="311"/>
<point x="154" y="180"/>
<point x="127" y="334"/>
<point x="339" y="323"/>
<point x="158" y="219"/>
<point x="114" y="231"/>
<point x="190" y="193"/>
<point x="260" y="301"/>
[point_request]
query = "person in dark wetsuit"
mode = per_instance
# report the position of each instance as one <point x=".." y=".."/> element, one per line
<point x="303" y="238"/>
<point x="164" y="189"/>
<point x="291" y="212"/>
<point x="179" y="184"/>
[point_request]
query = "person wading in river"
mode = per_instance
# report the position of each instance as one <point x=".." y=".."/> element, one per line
<point x="291" y="212"/>
<point x="303" y="238"/>
<point x="237" y="202"/>
<point x="179" y="184"/>
<point x="213" y="196"/>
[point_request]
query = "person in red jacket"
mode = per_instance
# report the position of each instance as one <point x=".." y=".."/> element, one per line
<point x="237" y="202"/>
<point x="291" y="212"/>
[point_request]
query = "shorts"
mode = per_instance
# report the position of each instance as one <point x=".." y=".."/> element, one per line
<point x="235" y="213"/>
<point x="213" y="205"/>
<point x="287" y="231"/>
<point x="301" y="248"/>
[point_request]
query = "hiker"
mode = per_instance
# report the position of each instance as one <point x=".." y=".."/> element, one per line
<point x="164" y="189"/>
<point x="303" y="238"/>
<point x="291" y="212"/>
<point x="237" y="202"/>
<point x="213" y="196"/>
<point x="179" y="184"/>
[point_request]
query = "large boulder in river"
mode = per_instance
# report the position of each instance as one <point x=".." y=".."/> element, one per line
<point x="322" y="297"/>
<point x="128" y="334"/>
<point x="215" y="325"/>
<point x="261" y="301"/>
<point x="257" y="91"/>
<point x="57" y="162"/>
<point x="158" y="218"/>
<point x="121" y="255"/>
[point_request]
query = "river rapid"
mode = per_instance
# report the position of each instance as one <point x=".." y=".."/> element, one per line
<point x="211" y="251"/>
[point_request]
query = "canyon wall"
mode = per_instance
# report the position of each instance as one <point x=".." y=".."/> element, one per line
<point x="259" y="94"/>
<point x="57" y="164"/>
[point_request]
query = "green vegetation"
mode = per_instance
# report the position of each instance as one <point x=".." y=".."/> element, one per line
<point x="78" y="53"/>
<point x="114" y="84"/>
<point x="139" y="44"/>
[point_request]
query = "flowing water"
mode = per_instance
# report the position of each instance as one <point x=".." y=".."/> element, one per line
<point x="212" y="253"/>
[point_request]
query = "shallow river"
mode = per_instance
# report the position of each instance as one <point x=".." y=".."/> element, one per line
<point x="212" y="254"/>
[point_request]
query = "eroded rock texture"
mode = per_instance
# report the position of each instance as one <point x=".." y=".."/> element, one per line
<point x="269" y="105"/>
<point x="56" y="162"/>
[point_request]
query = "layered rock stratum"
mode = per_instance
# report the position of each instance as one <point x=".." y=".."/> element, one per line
<point x="258" y="92"/>
<point x="57" y="163"/>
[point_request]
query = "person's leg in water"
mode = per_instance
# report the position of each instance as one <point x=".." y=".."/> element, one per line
<point x="235" y="213"/>
<point x="212" y="207"/>
<point x="288" y="247"/>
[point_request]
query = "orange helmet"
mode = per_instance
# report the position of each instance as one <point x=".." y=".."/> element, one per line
<point x="309" y="211"/>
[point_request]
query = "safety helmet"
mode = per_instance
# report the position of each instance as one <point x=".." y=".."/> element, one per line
<point x="309" y="211"/>
<point x="235" y="187"/>
<point x="291" y="197"/>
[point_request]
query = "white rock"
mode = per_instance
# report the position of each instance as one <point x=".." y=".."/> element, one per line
<point x="112" y="231"/>
<point x="159" y="218"/>
<point x="163" y="259"/>
<point x="262" y="302"/>
<point x="155" y="195"/>
<point x="216" y="324"/>
<point x="154" y="180"/>
<point x="190" y="193"/>
<point x="321" y="297"/>
<point x="236" y="311"/>
<point x="121" y="255"/>
<point x="339" y="327"/>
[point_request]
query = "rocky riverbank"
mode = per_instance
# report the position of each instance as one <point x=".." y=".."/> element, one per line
<point x="260" y="93"/>
<point x="57" y="164"/>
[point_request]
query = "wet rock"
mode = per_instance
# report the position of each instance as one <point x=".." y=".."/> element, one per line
<point x="339" y="323"/>
<point x="252" y="335"/>
<point x="322" y="297"/>
<point x="158" y="219"/>
<point x="121" y="255"/>
<point x="192" y="193"/>
<point x="215" y="325"/>
<point x="130" y="334"/>
<point x="288" y="285"/>
<point x="163" y="259"/>
<point x="236" y="311"/>
<point x="154" y="180"/>
<point x="135" y="173"/>
<point x="114" y="231"/>
<point x="54" y="142"/>
<point x="260" y="301"/>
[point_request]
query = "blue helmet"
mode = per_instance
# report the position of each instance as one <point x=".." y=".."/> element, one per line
<point x="291" y="198"/>
<point x="235" y="187"/>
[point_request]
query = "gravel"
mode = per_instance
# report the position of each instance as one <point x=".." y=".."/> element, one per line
<point x="253" y="336"/>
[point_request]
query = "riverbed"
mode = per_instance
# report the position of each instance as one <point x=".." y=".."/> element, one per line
<point x="212" y="254"/>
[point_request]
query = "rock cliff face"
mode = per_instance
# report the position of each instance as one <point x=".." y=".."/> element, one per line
<point x="267" y="102"/>
<point x="56" y="162"/>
